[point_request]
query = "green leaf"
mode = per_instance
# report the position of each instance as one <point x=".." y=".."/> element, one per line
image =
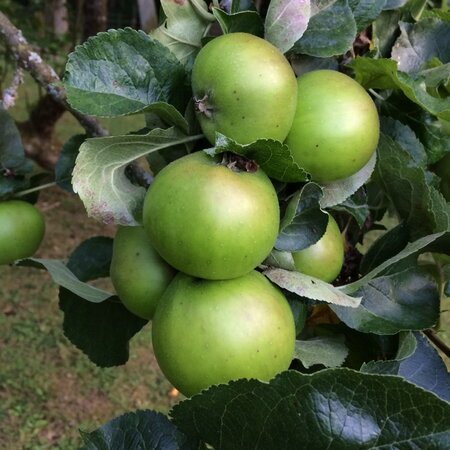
<point x="62" y="276"/>
<point x="394" y="4"/>
<point x="426" y="243"/>
<point x="143" y="430"/>
<point x="304" y="63"/>
<point x="383" y="74"/>
<point x="405" y="137"/>
<point x="272" y="156"/>
<point x="420" y="205"/>
<point x="186" y="24"/>
<point x="99" y="175"/>
<point x="328" y="351"/>
<point x="304" y="223"/>
<point x="357" y="206"/>
<point x="407" y="300"/>
<point x="13" y="163"/>
<point x="281" y="260"/>
<point x="418" y="362"/>
<point x="385" y="32"/>
<point x="243" y="21"/>
<point x="433" y="137"/>
<point x="335" y="408"/>
<point x="365" y="11"/>
<point x="339" y="191"/>
<point x="101" y="330"/>
<point x="309" y="287"/>
<point x="331" y="29"/>
<point x="420" y="42"/>
<point x="385" y="247"/>
<point x="286" y="21"/>
<point x="66" y="162"/>
<point x="122" y="72"/>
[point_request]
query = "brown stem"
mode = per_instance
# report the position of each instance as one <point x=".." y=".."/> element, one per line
<point x="44" y="74"/>
<point x="438" y="342"/>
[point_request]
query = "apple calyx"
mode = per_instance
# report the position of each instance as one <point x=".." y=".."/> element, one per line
<point x="202" y="106"/>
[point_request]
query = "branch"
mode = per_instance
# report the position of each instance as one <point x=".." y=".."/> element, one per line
<point x="438" y="342"/>
<point x="10" y="94"/>
<point x="44" y="74"/>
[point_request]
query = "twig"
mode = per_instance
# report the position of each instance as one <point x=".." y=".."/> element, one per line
<point x="44" y="74"/>
<point x="10" y="93"/>
<point x="438" y="342"/>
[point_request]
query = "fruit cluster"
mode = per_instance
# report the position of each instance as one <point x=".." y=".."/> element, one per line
<point x="216" y="219"/>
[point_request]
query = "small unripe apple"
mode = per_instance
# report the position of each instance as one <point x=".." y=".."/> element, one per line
<point x="325" y="258"/>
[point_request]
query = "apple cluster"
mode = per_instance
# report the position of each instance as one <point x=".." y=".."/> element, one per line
<point x="210" y="221"/>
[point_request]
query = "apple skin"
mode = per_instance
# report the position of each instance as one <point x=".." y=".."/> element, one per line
<point x="22" y="228"/>
<point x="210" y="332"/>
<point x="139" y="275"/>
<point x="324" y="259"/>
<point x="250" y="89"/>
<point x="210" y="221"/>
<point x="336" y="126"/>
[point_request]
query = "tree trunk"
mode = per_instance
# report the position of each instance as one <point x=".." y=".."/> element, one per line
<point x="60" y="17"/>
<point x="95" y="17"/>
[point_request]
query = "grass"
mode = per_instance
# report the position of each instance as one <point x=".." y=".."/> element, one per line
<point x="48" y="388"/>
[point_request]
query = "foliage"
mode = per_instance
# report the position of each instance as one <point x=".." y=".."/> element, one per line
<point x="341" y="391"/>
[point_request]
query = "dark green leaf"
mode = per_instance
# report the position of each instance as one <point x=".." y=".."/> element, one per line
<point x="434" y="139"/>
<point x="286" y="21"/>
<point x="420" y="42"/>
<point x="383" y="74"/>
<point x="334" y="408"/>
<point x="305" y="63"/>
<point x="385" y="247"/>
<point x="304" y="223"/>
<point x="328" y="351"/>
<point x="420" y="205"/>
<point x="394" y="4"/>
<point x="366" y="11"/>
<point x="407" y="300"/>
<point x="122" y="72"/>
<point x="100" y="330"/>
<point x="406" y="138"/>
<point x="244" y="21"/>
<point x="299" y="311"/>
<point x="331" y="30"/>
<point x="385" y="32"/>
<point x="357" y="206"/>
<point x="66" y="162"/>
<point x="272" y="156"/>
<point x="13" y="164"/>
<point x="418" y="362"/>
<point x="140" y="430"/>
